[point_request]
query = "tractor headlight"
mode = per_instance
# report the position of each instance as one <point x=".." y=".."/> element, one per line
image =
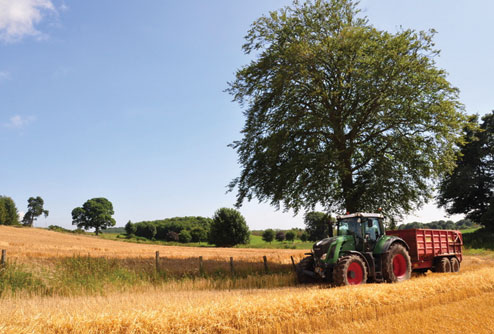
<point x="323" y="257"/>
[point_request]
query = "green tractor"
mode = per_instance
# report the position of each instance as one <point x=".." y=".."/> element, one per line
<point x="360" y="252"/>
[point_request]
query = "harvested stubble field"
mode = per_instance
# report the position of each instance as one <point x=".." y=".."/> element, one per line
<point x="435" y="303"/>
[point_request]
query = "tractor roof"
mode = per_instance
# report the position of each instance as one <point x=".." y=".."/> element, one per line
<point x="361" y="214"/>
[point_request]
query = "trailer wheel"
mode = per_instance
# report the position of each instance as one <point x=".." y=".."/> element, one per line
<point x="306" y="264"/>
<point x="397" y="266"/>
<point x="350" y="270"/>
<point x="455" y="265"/>
<point x="443" y="265"/>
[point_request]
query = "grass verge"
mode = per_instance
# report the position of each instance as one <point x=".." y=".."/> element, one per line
<point x="84" y="275"/>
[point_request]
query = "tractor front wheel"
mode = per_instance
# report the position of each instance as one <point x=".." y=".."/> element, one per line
<point x="397" y="266"/>
<point x="350" y="270"/>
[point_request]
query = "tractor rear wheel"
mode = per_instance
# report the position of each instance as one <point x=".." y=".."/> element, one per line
<point x="307" y="264"/>
<point x="350" y="270"/>
<point x="443" y="265"/>
<point x="455" y="265"/>
<point x="397" y="266"/>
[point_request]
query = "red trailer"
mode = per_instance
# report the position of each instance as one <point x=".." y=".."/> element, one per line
<point x="437" y="250"/>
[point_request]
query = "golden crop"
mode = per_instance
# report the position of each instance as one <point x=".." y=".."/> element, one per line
<point x="435" y="303"/>
<point x="22" y="243"/>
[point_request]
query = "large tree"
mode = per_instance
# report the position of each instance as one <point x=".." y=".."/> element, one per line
<point x="34" y="210"/>
<point x="469" y="189"/>
<point x="95" y="213"/>
<point x="341" y="114"/>
<point x="8" y="211"/>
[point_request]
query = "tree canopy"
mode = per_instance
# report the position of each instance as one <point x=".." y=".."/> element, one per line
<point x="341" y="114"/>
<point x="34" y="210"/>
<point x="95" y="213"/>
<point x="268" y="235"/>
<point x="469" y="189"/>
<point x="8" y="211"/>
<point x="318" y="225"/>
<point x="228" y="228"/>
<point x="198" y="227"/>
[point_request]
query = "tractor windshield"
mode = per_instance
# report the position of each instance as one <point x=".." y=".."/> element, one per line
<point x="349" y="226"/>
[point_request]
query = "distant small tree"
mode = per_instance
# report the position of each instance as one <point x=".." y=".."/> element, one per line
<point x="184" y="236"/>
<point x="95" y="213"/>
<point x="172" y="236"/>
<point x="280" y="236"/>
<point x="392" y="224"/>
<point x="318" y="225"/>
<point x="34" y="210"/>
<point x="130" y="228"/>
<point x="290" y="236"/>
<point x="199" y="234"/>
<point x="228" y="228"/>
<point x="8" y="211"/>
<point x="268" y="235"/>
<point x="304" y="237"/>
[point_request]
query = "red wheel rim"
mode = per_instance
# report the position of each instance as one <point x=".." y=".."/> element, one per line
<point x="355" y="273"/>
<point x="399" y="266"/>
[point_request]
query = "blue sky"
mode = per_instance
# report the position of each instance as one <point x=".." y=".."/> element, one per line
<point x="126" y="100"/>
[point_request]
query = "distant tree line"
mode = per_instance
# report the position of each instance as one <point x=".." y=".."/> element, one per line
<point x="440" y="225"/>
<point x="227" y="228"/>
<point x="183" y="229"/>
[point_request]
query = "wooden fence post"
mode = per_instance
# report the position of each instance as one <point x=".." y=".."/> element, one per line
<point x="201" y="266"/>
<point x="232" y="271"/>
<point x="293" y="262"/>
<point x="157" y="260"/>
<point x="265" y="263"/>
<point x="4" y="257"/>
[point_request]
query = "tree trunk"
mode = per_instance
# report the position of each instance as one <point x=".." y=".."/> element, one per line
<point x="347" y="183"/>
<point x="97" y="231"/>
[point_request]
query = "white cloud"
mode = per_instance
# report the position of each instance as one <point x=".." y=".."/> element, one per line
<point x="18" y="122"/>
<point x="18" y="18"/>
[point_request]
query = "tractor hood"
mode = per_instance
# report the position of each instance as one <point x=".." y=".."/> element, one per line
<point x="322" y="247"/>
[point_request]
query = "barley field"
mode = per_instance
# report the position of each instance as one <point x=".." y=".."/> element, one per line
<point x="22" y="243"/>
<point x="441" y="303"/>
<point x="433" y="303"/>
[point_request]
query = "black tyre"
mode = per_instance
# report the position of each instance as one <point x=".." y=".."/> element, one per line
<point x="443" y="265"/>
<point x="397" y="266"/>
<point x="350" y="270"/>
<point x="455" y="265"/>
<point x="307" y="264"/>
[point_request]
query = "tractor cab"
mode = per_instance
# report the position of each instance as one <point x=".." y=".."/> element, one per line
<point x="365" y="228"/>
